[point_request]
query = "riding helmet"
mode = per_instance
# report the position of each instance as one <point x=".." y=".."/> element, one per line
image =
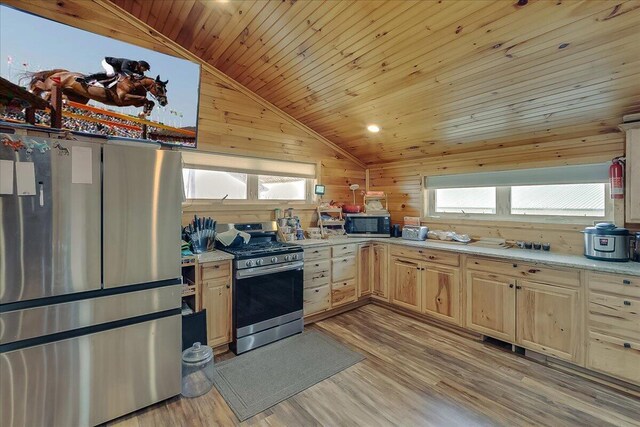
<point x="145" y="64"/>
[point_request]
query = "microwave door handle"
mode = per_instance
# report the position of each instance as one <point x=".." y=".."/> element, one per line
<point x="261" y="271"/>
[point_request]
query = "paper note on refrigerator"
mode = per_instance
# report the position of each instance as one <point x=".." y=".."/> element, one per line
<point x="81" y="165"/>
<point x="25" y="179"/>
<point x="6" y="176"/>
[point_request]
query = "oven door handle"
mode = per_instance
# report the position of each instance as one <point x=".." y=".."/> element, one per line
<point x="261" y="271"/>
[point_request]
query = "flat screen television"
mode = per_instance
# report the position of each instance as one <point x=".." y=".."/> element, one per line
<point x="106" y="88"/>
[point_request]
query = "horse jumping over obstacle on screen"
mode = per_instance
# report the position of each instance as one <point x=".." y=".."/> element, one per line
<point x="127" y="92"/>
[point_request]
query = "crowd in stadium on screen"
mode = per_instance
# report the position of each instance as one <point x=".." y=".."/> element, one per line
<point x="96" y="128"/>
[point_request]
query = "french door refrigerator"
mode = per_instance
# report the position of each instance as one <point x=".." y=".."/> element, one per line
<point x="90" y="321"/>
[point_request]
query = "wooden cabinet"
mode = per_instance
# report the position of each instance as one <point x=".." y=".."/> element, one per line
<point x="491" y="305"/>
<point x="632" y="173"/>
<point x="406" y="284"/>
<point x="441" y="292"/>
<point x="547" y="319"/>
<point x="613" y="323"/>
<point x="365" y="272"/>
<point x="614" y="356"/>
<point x="216" y="299"/>
<point x="215" y="295"/>
<point x="380" y="267"/>
<point x="317" y="280"/>
<point x="316" y="299"/>
<point x="343" y="268"/>
<point x="509" y="301"/>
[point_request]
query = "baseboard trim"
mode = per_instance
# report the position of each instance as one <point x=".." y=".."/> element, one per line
<point x="335" y="311"/>
<point x="458" y="330"/>
<point x="619" y="385"/>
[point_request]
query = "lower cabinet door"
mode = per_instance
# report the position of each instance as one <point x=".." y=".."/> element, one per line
<point x="317" y="299"/>
<point x="547" y="319"/>
<point x="365" y="254"/>
<point x="216" y="299"/>
<point x="380" y="269"/>
<point x="405" y="284"/>
<point x="491" y="304"/>
<point x="441" y="292"/>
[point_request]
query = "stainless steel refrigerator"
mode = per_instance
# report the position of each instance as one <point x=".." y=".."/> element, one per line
<point x="90" y="321"/>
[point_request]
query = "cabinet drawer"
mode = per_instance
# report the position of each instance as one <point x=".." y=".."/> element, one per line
<point x="317" y="273"/>
<point x="615" y="284"/>
<point x="440" y="257"/>
<point x="317" y="254"/>
<point x="535" y="272"/>
<point x="343" y="292"/>
<point x="317" y="299"/>
<point x="213" y="270"/>
<point x="316" y="266"/>
<point x="343" y="268"/>
<point x="615" y="315"/>
<point x="343" y="250"/>
<point x="614" y="356"/>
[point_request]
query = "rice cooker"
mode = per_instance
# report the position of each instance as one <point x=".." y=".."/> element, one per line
<point x="607" y="242"/>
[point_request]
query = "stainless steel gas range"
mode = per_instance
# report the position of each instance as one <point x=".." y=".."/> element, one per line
<point x="267" y="287"/>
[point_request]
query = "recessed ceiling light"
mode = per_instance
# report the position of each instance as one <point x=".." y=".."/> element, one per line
<point x="373" y="128"/>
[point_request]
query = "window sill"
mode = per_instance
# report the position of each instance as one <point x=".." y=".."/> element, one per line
<point x="519" y="221"/>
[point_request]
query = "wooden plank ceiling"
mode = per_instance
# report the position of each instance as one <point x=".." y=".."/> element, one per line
<point x="439" y="77"/>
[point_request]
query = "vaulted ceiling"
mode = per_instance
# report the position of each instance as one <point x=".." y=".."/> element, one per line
<point x="438" y="77"/>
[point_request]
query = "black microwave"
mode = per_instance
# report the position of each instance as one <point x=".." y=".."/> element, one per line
<point x="368" y="225"/>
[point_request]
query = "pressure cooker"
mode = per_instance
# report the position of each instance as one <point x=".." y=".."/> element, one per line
<point x="607" y="242"/>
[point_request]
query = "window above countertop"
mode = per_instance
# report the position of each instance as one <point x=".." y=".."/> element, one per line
<point x="571" y="194"/>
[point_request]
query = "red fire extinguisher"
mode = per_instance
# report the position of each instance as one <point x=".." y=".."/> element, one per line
<point x="616" y="178"/>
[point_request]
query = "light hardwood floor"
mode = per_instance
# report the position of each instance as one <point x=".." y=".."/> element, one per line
<point x="418" y="374"/>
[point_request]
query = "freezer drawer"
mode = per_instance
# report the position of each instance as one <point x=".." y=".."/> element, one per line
<point x="36" y="322"/>
<point x="142" y="199"/>
<point x="91" y="379"/>
<point x="50" y="237"/>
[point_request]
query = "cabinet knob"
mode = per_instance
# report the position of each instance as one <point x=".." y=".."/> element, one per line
<point x="317" y="290"/>
<point x="626" y="282"/>
<point x="627" y="303"/>
<point x="627" y="345"/>
<point x="419" y="252"/>
<point x="533" y="270"/>
<point x="228" y="286"/>
<point x="432" y="257"/>
<point x="511" y="285"/>
<point x="518" y="287"/>
<point x="515" y="265"/>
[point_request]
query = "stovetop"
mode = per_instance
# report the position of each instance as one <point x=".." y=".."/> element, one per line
<point x="262" y="248"/>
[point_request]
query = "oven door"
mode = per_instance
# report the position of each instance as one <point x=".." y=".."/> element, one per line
<point x="266" y="297"/>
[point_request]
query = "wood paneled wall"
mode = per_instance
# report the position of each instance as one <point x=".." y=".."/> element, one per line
<point x="231" y="120"/>
<point x="402" y="181"/>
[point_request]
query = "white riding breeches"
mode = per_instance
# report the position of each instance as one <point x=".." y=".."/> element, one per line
<point x="108" y="69"/>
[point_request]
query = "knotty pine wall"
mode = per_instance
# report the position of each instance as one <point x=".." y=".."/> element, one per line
<point x="229" y="121"/>
<point x="402" y="182"/>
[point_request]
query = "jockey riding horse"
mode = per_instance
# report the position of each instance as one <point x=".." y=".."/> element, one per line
<point x="115" y="66"/>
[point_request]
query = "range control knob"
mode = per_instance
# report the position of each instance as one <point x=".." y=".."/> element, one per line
<point x="259" y="262"/>
<point x="294" y="256"/>
<point x="249" y="263"/>
<point x="274" y="259"/>
<point x="287" y="257"/>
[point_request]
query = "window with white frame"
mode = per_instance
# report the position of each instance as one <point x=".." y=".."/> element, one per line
<point x="563" y="194"/>
<point x="208" y="176"/>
